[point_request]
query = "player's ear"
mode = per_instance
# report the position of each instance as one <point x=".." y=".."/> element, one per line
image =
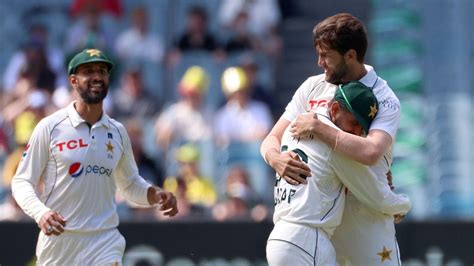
<point x="73" y="80"/>
<point x="334" y="108"/>
<point x="350" y="55"/>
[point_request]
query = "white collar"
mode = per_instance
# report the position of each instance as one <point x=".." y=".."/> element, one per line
<point x="76" y="119"/>
<point x="370" y="78"/>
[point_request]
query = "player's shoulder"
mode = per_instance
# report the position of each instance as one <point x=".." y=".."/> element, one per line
<point x="385" y="95"/>
<point x="116" y="124"/>
<point x="316" y="80"/>
<point x="54" y="119"/>
<point x="314" y="84"/>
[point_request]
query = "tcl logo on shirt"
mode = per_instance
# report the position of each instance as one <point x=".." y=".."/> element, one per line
<point x="71" y="144"/>
<point x="313" y="104"/>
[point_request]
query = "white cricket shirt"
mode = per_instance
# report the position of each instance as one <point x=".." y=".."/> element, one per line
<point x="320" y="203"/>
<point x="315" y="94"/>
<point x="80" y="168"/>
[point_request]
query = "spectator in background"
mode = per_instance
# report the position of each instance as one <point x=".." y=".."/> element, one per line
<point x="239" y="36"/>
<point x="137" y="43"/>
<point x="259" y="91"/>
<point x="241" y="202"/>
<point x="30" y="63"/>
<point x="132" y="99"/>
<point x="185" y="120"/>
<point x="113" y="7"/>
<point x="200" y="191"/>
<point x="196" y="37"/>
<point x="3" y="138"/>
<point x="262" y="19"/>
<point x="241" y="119"/>
<point x="89" y="31"/>
<point x="45" y="60"/>
<point x="29" y="112"/>
<point x="148" y="169"/>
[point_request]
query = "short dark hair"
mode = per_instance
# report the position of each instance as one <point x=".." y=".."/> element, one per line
<point x="342" y="32"/>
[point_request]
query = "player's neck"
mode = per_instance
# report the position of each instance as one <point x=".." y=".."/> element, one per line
<point x="357" y="72"/>
<point x="91" y="113"/>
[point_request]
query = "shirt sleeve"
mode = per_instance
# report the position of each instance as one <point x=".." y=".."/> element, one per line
<point x="388" y="118"/>
<point x="29" y="172"/>
<point x="133" y="187"/>
<point x="297" y="105"/>
<point x="362" y="182"/>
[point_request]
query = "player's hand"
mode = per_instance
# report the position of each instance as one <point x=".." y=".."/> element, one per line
<point x="166" y="201"/>
<point x="397" y="218"/>
<point x="304" y="126"/>
<point x="390" y="180"/>
<point x="52" y="223"/>
<point x="289" y="166"/>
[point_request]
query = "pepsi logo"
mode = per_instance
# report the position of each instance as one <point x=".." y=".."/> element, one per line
<point x="76" y="169"/>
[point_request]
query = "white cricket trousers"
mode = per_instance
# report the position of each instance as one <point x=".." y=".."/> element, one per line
<point x="295" y="244"/>
<point x="72" y="248"/>
<point x="365" y="236"/>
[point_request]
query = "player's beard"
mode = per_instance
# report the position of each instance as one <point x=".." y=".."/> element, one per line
<point x="89" y="94"/>
<point x="338" y="73"/>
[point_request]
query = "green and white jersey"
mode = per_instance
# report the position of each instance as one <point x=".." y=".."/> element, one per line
<point x="315" y="94"/>
<point x="320" y="203"/>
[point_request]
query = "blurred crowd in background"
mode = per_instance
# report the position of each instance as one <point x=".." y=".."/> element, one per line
<point x="199" y="83"/>
<point x="196" y="101"/>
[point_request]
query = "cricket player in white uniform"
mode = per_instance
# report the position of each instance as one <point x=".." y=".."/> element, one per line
<point x="379" y="238"/>
<point x="306" y="215"/>
<point x="341" y="43"/>
<point x="73" y="164"/>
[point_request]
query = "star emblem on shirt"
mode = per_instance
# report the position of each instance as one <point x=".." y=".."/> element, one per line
<point x="385" y="254"/>
<point x="110" y="147"/>
<point x="373" y="111"/>
<point x="93" y="52"/>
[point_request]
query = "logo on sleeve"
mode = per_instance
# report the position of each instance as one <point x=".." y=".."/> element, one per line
<point x="76" y="169"/>
<point x="25" y="152"/>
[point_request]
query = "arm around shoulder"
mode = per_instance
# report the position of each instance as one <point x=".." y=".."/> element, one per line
<point x="366" y="150"/>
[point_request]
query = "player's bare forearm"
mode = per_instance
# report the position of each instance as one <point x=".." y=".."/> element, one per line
<point x="287" y="164"/>
<point x="363" y="150"/>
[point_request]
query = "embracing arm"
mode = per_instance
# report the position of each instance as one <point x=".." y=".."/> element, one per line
<point x="287" y="164"/>
<point x="366" y="150"/>
<point x="363" y="183"/>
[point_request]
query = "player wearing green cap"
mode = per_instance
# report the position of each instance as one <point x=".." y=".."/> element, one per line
<point x="341" y="43"/>
<point x="81" y="156"/>
<point x="306" y="216"/>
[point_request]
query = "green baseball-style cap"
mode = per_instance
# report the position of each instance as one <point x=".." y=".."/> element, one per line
<point x="360" y="101"/>
<point x="88" y="56"/>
